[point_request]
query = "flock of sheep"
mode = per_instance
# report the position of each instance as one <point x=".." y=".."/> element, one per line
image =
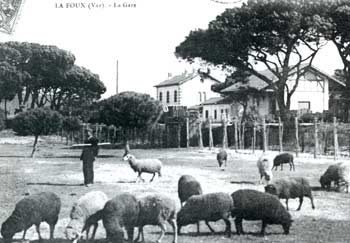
<point x="124" y="211"/>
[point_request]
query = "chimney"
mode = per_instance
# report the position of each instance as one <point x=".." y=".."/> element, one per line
<point x="170" y="75"/>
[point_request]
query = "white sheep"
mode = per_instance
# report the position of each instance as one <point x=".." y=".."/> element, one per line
<point x="84" y="215"/>
<point x="265" y="164"/>
<point x="151" y="166"/>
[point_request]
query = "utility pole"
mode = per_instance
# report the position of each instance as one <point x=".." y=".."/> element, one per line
<point x="117" y="78"/>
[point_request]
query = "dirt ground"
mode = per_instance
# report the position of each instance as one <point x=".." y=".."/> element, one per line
<point x="57" y="168"/>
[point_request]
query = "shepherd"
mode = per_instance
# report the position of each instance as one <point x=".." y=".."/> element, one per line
<point x="88" y="157"/>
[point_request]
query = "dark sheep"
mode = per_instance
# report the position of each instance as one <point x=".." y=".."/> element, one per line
<point x="296" y="187"/>
<point x="222" y="157"/>
<point x="284" y="158"/>
<point x="187" y="187"/>
<point x="255" y="205"/>
<point x="157" y="210"/>
<point x="338" y="173"/>
<point x="32" y="210"/>
<point x="207" y="207"/>
<point x="120" y="212"/>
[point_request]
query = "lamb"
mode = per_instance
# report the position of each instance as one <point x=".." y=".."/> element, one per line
<point x="157" y="210"/>
<point x="151" y="166"/>
<point x="207" y="207"/>
<point x="222" y="157"/>
<point x="291" y="188"/>
<point x="33" y="209"/>
<point x="120" y="212"/>
<point x="255" y="205"/>
<point x="83" y="215"/>
<point x="187" y="187"/>
<point x="284" y="158"/>
<point x="265" y="165"/>
<point x="338" y="173"/>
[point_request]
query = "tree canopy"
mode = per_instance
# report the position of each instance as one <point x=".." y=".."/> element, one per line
<point x="130" y="110"/>
<point x="37" y="122"/>
<point x="281" y="35"/>
<point x="49" y="76"/>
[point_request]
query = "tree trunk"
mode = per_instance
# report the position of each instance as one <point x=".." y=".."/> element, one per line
<point x="281" y="105"/>
<point x="34" y="145"/>
<point x="5" y="106"/>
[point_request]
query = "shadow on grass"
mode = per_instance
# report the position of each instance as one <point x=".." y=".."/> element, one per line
<point x="195" y="234"/>
<point x="14" y="156"/>
<point x="127" y="181"/>
<point x="243" y="182"/>
<point x="318" y="188"/>
<point x="51" y="184"/>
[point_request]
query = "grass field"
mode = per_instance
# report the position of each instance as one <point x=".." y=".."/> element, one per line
<point x="57" y="168"/>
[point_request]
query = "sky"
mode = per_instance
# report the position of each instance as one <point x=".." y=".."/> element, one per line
<point x="141" y="35"/>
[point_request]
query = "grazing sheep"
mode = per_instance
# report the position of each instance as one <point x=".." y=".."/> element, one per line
<point x="119" y="212"/>
<point x="339" y="174"/>
<point x="222" y="157"/>
<point x="157" y="210"/>
<point x="207" y="207"/>
<point x="33" y="209"/>
<point x="265" y="165"/>
<point x="284" y="158"/>
<point x="255" y="205"/>
<point x="151" y="166"/>
<point x="83" y="215"/>
<point x="187" y="187"/>
<point x="296" y="187"/>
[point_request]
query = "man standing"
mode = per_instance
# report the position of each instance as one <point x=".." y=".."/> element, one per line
<point x="88" y="157"/>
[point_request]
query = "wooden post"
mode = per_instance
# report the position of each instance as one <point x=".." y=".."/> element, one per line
<point x="254" y="136"/>
<point x="224" y="135"/>
<point x="211" y="143"/>
<point x="187" y="132"/>
<point x="280" y="133"/>
<point x="236" y="135"/>
<point x="242" y="134"/>
<point x="264" y="136"/>
<point x="179" y="134"/>
<point x="200" y="138"/>
<point x="316" y="138"/>
<point x="297" y="149"/>
<point x="336" y="145"/>
<point x="166" y="135"/>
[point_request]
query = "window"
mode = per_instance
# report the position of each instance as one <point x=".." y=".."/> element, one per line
<point x="175" y="95"/>
<point x="200" y="97"/>
<point x="215" y="114"/>
<point x="304" y="106"/>
<point x="167" y="97"/>
<point x="226" y="112"/>
<point x="160" y="96"/>
<point x="204" y="96"/>
<point x="206" y="114"/>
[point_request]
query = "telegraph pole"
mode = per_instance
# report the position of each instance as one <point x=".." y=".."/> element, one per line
<point x="116" y="90"/>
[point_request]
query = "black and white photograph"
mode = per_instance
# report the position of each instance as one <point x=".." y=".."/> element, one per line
<point x="174" y="121"/>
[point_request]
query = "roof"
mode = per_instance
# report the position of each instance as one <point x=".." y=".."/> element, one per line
<point x="178" y="79"/>
<point x="184" y="77"/>
<point x="257" y="83"/>
<point x="217" y="101"/>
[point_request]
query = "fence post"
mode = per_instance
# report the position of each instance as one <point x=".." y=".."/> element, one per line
<point x="236" y="135"/>
<point x="166" y="135"/>
<point x="200" y="139"/>
<point x="178" y="134"/>
<point x="224" y="135"/>
<point x="254" y="136"/>
<point x="280" y="133"/>
<point x="211" y="143"/>
<point x="187" y="132"/>
<point x="296" y="137"/>
<point x="336" y="145"/>
<point x="242" y="134"/>
<point x="316" y="138"/>
<point x="264" y="136"/>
